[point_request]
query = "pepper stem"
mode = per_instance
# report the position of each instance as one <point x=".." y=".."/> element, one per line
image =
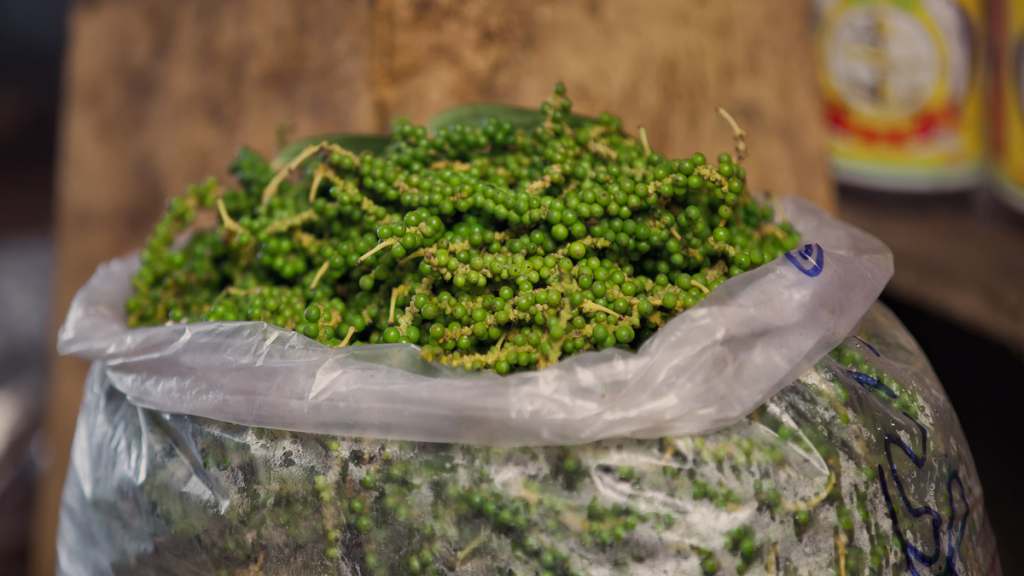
<point x="472" y="546"/>
<point x="595" y="307"/>
<point x="318" y="177"/>
<point x="319" y="274"/>
<point x="378" y="248"/>
<point x="348" y="337"/>
<point x="643" y="140"/>
<point x="229" y="222"/>
<point x="738" y="134"/>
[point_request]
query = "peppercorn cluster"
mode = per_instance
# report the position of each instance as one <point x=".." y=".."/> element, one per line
<point x="489" y="245"/>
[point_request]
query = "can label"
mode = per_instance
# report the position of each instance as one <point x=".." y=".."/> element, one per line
<point x="903" y="91"/>
<point x="1008" y="89"/>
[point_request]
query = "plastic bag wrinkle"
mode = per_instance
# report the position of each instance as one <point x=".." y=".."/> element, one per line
<point x="704" y="370"/>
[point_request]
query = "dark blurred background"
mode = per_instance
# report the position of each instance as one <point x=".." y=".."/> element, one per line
<point x="31" y="48"/>
<point x="959" y="285"/>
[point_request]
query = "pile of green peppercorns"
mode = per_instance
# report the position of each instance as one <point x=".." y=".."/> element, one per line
<point x="489" y="246"/>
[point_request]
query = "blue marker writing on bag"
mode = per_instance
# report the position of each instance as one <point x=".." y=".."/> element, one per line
<point x="911" y="552"/>
<point x="955" y="537"/>
<point x="955" y="526"/>
<point x="868" y="345"/>
<point x="810" y="259"/>
<point x="869" y="381"/>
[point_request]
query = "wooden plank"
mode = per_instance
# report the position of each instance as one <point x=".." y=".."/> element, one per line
<point x="662" y="64"/>
<point x="959" y="257"/>
<point x="160" y="94"/>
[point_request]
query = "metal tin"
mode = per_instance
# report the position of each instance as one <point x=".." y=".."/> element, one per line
<point x="903" y="92"/>
<point x="1008" y="95"/>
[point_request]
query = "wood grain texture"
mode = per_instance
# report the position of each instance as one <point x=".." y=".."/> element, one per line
<point x="662" y="64"/>
<point x="958" y="257"/>
<point x="161" y="94"/>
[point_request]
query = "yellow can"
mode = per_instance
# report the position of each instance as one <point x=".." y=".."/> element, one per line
<point x="1008" y="92"/>
<point x="903" y="88"/>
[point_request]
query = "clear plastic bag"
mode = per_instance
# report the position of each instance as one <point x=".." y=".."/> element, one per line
<point x="245" y="449"/>
<point x="703" y="370"/>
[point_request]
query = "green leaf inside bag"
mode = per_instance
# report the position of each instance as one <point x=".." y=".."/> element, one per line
<point x="475" y="114"/>
<point x="470" y="115"/>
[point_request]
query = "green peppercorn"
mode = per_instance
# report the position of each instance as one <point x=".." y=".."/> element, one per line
<point x="363" y="524"/>
<point x="462" y="240"/>
<point x="624" y="334"/>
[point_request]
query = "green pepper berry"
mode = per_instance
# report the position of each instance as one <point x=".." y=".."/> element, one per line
<point x="392" y="335"/>
<point x="709" y="566"/>
<point x="363" y="524"/>
<point x="802" y="517"/>
<point x="462" y="240"/>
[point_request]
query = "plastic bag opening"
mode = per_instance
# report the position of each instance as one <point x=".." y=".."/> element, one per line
<point x="705" y="369"/>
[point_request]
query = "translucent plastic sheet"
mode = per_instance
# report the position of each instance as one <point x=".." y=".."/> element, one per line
<point x="858" y="468"/>
<point x="703" y="370"/>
